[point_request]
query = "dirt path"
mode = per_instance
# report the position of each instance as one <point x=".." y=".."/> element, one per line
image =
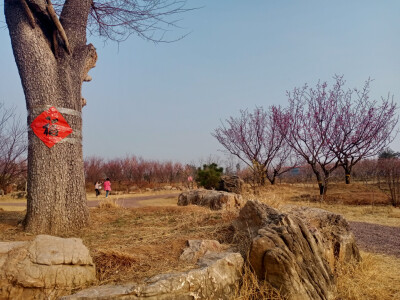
<point x="377" y="238"/>
<point x="124" y="202"/>
<point x="133" y="201"/>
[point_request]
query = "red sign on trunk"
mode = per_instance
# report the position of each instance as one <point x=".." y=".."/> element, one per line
<point x="51" y="127"/>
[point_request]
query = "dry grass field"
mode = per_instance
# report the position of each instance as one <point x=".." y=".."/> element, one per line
<point x="135" y="243"/>
<point x="356" y="202"/>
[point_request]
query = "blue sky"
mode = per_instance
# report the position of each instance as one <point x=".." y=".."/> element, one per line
<point x="163" y="101"/>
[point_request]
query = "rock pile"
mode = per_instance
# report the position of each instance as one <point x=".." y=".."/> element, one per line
<point x="295" y="249"/>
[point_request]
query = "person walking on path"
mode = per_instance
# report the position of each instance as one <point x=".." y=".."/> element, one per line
<point x="190" y="182"/>
<point x="107" y="186"/>
<point x="97" y="188"/>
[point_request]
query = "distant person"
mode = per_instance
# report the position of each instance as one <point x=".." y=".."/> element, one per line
<point x="97" y="188"/>
<point x="190" y="182"/>
<point x="107" y="186"/>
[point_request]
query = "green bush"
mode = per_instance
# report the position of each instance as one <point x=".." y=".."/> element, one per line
<point x="210" y="176"/>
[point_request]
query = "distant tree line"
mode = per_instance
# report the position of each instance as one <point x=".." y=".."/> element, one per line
<point x="134" y="170"/>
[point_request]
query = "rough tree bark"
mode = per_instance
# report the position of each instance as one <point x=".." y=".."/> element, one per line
<point x="51" y="76"/>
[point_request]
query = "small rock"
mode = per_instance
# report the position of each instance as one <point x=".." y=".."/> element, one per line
<point x="198" y="248"/>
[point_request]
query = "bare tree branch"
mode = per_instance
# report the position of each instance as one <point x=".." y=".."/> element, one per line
<point x="28" y="13"/>
<point x="58" y="25"/>
<point x="116" y="20"/>
<point x="13" y="146"/>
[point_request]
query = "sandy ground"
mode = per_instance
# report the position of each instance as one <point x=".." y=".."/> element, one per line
<point x="377" y="238"/>
<point x="124" y="202"/>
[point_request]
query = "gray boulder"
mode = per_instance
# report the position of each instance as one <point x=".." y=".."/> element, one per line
<point x="231" y="184"/>
<point x="215" y="200"/>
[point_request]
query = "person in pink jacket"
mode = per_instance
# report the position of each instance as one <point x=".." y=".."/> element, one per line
<point x="107" y="186"/>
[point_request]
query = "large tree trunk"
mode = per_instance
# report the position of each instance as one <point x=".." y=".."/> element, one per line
<point x="56" y="201"/>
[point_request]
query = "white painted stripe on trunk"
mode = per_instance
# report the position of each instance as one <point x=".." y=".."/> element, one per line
<point x="37" y="110"/>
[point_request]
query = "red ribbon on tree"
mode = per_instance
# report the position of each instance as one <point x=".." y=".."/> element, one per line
<point x="51" y="127"/>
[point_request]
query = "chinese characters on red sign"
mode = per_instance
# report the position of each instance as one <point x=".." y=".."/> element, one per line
<point x="51" y="127"/>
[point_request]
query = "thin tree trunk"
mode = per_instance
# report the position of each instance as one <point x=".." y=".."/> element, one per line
<point x="326" y="181"/>
<point x="347" y="171"/>
<point x="272" y="177"/>
<point x="56" y="200"/>
<point x="319" y="180"/>
<point x="262" y="178"/>
<point x="321" y="188"/>
<point x="325" y="190"/>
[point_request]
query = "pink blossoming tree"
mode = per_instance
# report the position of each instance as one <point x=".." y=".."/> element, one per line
<point x="308" y="122"/>
<point x="331" y="129"/>
<point x="363" y="127"/>
<point x="255" y="139"/>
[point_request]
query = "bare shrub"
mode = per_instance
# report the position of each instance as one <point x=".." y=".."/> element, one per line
<point x="111" y="263"/>
<point x="389" y="178"/>
<point x="13" y="146"/>
<point x="109" y="203"/>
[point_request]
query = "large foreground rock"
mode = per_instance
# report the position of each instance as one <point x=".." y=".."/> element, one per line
<point x="292" y="255"/>
<point x="216" y="278"/>
<point x="330" y="231"/>
<point x="44" y="268"/>
<point x="215" y="200"/>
